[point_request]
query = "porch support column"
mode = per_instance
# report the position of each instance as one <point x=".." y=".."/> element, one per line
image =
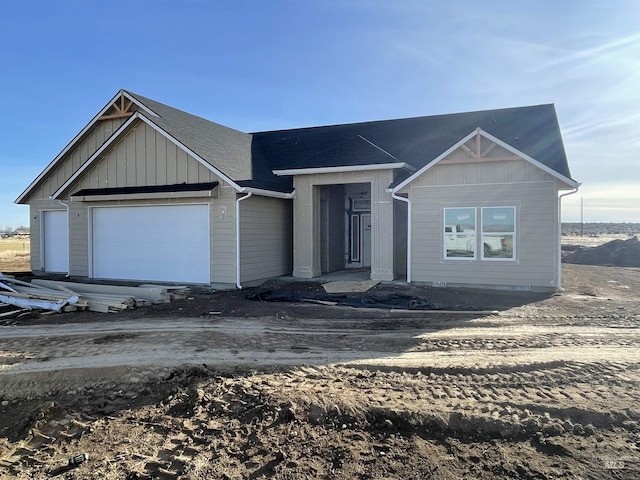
<point x="382" y="257"/>
<point x="306" y="228"/>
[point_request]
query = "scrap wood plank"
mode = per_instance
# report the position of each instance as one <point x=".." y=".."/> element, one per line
<point x="156" y="294"/>
<point x="123" y="299"/>
<point x="12" y="312"/>
<point x="175" y="292"/>
<point x="15" y="281"/>
<point x="166" y="287"/>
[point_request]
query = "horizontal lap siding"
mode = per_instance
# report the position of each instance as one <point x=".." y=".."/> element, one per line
<point x="78" y="240"/>
<point x="265" y="238"/>
<point x="223" y="237"/>
<point x="535" y="200"/>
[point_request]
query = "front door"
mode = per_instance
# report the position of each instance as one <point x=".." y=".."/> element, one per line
<point x="360" y="239"/>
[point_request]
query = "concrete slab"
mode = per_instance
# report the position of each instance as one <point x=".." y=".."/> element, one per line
<point x="350" y="287"/>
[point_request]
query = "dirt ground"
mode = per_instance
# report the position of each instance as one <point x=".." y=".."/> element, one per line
<point x="486" y="385"/>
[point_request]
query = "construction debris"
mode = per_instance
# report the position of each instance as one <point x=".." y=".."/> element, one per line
<point x="58" y="296"/>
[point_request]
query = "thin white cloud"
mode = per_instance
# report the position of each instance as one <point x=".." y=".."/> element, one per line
<point x="603" y="202"/>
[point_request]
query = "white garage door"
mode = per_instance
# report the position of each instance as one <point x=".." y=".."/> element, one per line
<point x="55" y="241"/>
<point x="160" y="243"/>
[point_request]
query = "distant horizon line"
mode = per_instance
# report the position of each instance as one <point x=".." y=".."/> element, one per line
<point x="564" y="221"/>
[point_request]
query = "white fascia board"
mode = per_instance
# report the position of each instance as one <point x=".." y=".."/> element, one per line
<point x="75" y="139"/>
<point x="497" y="141"/>
<point x="188" y="151"/>
<point x="268" y="193"/>
<point x="95" y="155"/>
<point x="346" y="168"/>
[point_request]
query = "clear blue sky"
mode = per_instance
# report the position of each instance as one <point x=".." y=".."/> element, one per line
<point x="262" y="65"/>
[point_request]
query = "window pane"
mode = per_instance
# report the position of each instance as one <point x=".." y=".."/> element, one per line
<point x="459" y="232"/>
<point x="460" y="219"/>
<point x="498" y="233"/>
<point x="498" y="219"/>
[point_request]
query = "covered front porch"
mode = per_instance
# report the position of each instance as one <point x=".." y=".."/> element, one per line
<point x="348" y="220"/>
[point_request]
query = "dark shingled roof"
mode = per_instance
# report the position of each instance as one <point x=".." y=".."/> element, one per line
<point x="224" y="148"/>
<point x="417" y="141"/>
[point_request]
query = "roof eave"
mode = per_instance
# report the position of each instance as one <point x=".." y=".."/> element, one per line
<point x="344" y="168"/>
<point x="269" y="193"/>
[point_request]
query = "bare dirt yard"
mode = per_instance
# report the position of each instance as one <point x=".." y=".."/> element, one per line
<point x="485" y="385"/>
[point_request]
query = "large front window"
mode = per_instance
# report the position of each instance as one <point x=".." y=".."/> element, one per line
<point x="497" y="227"/>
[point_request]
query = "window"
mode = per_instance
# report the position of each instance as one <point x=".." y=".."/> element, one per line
<point x="498" y="233"/>
<point x="459" y="233"/>
<point x="354" y="237"/>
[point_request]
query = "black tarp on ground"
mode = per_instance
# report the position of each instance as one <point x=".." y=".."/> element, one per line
<point x="387" y="301"/>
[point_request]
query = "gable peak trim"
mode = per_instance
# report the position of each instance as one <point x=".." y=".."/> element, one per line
<point x="117" y="134"/>
<point x="477" y="132"/>
<point x="121" y="94"/>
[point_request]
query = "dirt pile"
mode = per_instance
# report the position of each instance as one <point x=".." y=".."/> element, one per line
<point x="619" y="253"/>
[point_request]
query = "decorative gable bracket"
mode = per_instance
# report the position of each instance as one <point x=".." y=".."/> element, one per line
<point x="477" y="146"/>
<point x="120" y="108"/>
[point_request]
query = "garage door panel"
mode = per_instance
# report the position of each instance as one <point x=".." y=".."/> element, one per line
<point x="161" y="243"/>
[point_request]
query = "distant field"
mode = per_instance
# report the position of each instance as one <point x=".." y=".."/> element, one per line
<point x="594" y="234"/>
<point x="592" y="240"/>
<point x="15" y="253"/>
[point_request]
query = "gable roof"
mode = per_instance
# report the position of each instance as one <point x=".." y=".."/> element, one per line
<point x="249" y="160"/>
<point x="120" y="131"/>
<point x="226" y="149"/>
<point x="222" y="149"/>
<point x="417" y="141"/>
<point x="405" y="180"/>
